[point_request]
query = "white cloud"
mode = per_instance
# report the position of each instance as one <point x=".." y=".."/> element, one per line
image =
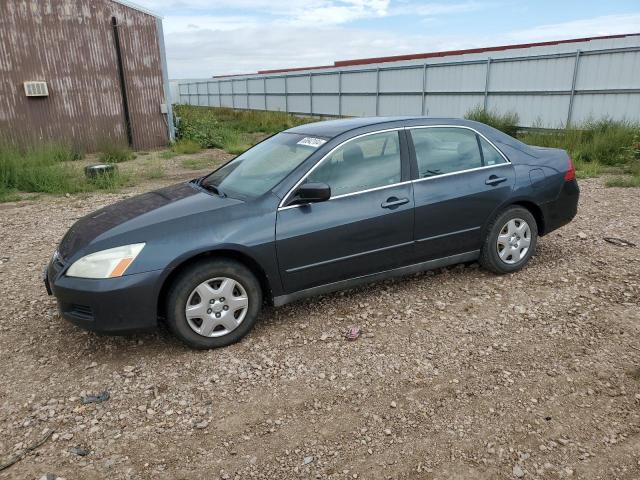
<point x="332" y="13"/>
<point x="589" y="27"/>
<point x="322" y="11"/>
<point x="421" y="9"/>
<point x="207" y="52"/>
<point x="201" y="45"/>
<point x="189" y="24"/>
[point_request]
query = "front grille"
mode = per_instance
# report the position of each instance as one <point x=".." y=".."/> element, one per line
<point x="82" y="311"/>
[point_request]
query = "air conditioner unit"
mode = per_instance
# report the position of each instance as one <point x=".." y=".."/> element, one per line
<point x="36" y="89"/>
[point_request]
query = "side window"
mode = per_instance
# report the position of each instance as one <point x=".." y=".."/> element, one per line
<point x="367" y="162"/>
<point x="490" y="154"/>
<point x="441" y="150"/>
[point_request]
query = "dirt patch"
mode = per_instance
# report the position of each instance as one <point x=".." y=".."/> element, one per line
<point x="458" y="373"/>
<point x="174" y="168"/>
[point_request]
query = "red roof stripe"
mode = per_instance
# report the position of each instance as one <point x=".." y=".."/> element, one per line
<point x="417" y="56"/>
<point x="397" y="58"/>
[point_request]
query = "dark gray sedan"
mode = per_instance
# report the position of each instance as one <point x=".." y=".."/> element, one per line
<point x="313" y="209"/>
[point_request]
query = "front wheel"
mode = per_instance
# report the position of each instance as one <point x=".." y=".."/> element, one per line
<point x="510" y="242"/>
<point x="213" y="304"/>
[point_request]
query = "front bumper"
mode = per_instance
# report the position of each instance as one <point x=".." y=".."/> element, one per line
<point x="111" y="305"/>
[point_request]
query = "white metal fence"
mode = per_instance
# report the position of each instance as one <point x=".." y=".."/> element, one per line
<point x="547" y="90"/>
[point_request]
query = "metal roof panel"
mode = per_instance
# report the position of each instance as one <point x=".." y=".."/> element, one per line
<point x="135" y="6"/>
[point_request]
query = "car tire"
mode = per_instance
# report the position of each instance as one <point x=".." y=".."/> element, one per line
<point x="503" y="249"/>
<point x="215" y="319"/>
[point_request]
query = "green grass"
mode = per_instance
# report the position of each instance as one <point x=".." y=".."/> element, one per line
<point x="505" y="122"/>
<point x="602" y="147"/>
<point x="629" y="175"/>
<point x="606" y="142"/>
<point x="231" y="130"/>
<point x="197" y="163"/>
<point x="597" y="147"/>
<point x="588" y="169"/>
<point x="47" y="169"/>
<point x="168" y="154"/>
<point x="186" y="146"/>
<point x="9" y="196"/>
<point x="239" y="146"/>
<point x="112" y="181"/>
<point x="626" y="181"/>
<point x="115" y="153"/>
<point x="183" y="146"/>
<point x="154" y="172"/>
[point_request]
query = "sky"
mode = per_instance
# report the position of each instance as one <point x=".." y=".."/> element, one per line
<point x="220" y="37"/>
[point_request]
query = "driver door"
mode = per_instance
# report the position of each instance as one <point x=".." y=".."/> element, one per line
<point x="365" y="227"/>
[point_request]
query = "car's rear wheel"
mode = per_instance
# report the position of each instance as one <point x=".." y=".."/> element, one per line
<point x="214" y="303"/>
<point x="510" y="242"/>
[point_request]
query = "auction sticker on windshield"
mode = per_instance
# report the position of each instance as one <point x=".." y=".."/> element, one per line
<point x="312" y="142"/>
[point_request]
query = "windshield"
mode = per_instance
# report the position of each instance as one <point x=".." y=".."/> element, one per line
<point x="262" y="167"/>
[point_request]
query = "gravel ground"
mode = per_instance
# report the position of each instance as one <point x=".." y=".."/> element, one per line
<point x="459" y="373"/>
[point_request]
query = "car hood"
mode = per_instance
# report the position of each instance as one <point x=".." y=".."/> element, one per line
<point x="134" y="213"/>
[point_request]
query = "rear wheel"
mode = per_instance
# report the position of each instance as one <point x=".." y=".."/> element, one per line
<point x="510" y="242"/>
<point x="213" y="304"/>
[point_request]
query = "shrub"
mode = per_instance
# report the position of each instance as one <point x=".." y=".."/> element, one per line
<point x="631" y="154"/>
<point x="505" y="122"/>
<point x="200" y="126"/>
<point x="229" y="129"/>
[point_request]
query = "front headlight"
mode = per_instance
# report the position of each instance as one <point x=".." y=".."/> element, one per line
<point x="106" y="263"/>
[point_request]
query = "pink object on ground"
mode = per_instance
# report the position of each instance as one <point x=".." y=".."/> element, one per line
<point x="353" y="333"/>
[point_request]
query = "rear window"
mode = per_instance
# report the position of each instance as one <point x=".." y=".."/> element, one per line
<point x="441" y="150"/>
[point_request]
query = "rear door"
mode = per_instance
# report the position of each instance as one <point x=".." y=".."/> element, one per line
<point x="461" y="179"/>
<point x="366" y="226"/>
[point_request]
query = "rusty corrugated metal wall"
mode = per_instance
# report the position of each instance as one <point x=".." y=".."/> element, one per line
<point x="70" y="45"/>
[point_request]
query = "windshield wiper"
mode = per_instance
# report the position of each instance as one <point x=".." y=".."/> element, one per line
<point x="211" y="187"/>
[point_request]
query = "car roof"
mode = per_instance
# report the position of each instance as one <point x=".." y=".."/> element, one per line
<point x="333" y="128"/>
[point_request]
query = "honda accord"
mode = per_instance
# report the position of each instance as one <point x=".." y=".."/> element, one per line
<point x="313" y="209"/>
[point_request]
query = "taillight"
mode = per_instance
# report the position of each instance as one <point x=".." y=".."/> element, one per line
<point x="571" y="172"/>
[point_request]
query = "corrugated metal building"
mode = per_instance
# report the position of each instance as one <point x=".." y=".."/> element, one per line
<point x="104" y="65"/>
<point x="548" y="84"/>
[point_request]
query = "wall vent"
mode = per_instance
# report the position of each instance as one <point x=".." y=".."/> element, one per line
<point x="36" y="89"/>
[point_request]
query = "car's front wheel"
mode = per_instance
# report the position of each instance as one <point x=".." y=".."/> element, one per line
<point x="214" y="303"/>
<point x="510" y="242"/>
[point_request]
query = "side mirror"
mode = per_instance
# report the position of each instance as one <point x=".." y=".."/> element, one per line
<point x="311" y="193"/>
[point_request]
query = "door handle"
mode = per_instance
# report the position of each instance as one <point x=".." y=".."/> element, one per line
<point x="394" y="202"/>
<point x="493" y="180"/>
